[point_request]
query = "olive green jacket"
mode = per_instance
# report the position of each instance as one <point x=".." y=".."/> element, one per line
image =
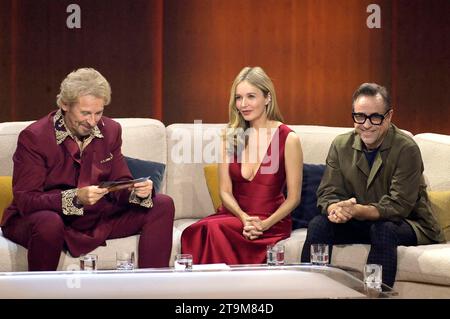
<point x="395" y="184"/>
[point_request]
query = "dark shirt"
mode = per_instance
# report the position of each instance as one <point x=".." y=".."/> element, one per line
<point x="370" y="155"/>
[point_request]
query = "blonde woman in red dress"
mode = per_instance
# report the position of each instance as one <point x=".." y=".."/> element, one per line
<point x="261" y="156"/>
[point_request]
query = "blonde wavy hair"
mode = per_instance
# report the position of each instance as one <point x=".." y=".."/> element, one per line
<point x="237" y="125"/>
<point x="81" y="82"/>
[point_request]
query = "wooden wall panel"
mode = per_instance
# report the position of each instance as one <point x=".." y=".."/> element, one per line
<point x="175" y="60"/>
<point x="121" y="39"/>
<point x="423" y="65"/>
<point x="6" y="22"/>
<point x="316" y="52"/>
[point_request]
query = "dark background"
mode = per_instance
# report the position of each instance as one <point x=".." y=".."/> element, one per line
<point x="175" y="60"/>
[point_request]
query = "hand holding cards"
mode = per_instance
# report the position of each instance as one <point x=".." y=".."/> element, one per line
<point x="118" y="185"/>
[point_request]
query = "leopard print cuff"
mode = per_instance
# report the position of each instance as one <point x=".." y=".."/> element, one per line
<point x="146" y="202"/>
<point x="70" y="206"/>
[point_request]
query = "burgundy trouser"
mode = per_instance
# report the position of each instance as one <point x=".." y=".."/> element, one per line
<point x="42" y="233"/>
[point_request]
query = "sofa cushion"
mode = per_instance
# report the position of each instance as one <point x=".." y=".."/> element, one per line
<point x="424" y="263"/>
<point x="140" y="168"/>
<point x="189" y="148"/>
<point x="435" y="150"/>
<point x="307" y="209"/>
<point x="212" y="181"/>
<point x="440" y="202"/>
<point x="6" y="195"/>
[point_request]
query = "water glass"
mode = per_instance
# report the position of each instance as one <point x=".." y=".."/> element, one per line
<point x="373" y="276"/>
<point x="88" y="262"/>
<point x="125" y="260"/>
<point x="275" y="254"/>
<point x="319" y="254"/>
<point x="183" y="262"/>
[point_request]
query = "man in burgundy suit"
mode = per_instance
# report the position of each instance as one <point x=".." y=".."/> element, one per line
<point x="58" y="164"/>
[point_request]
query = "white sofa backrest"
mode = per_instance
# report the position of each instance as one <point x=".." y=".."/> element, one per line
<point x="435" y="149"/>
<point x="145" y="139"/>
<point x="9" y="132"/>
<point x="190" y="148"/>
<point x="316" y="141"/>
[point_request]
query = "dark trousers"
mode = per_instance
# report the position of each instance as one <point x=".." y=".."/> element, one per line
<point x="42" y="233"/>
<point x="383" y="236"/>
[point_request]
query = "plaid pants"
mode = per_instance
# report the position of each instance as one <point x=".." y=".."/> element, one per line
<point x="384" y="236"/>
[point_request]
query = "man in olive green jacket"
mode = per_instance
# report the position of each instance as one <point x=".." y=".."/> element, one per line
<point x="373" y="191"/>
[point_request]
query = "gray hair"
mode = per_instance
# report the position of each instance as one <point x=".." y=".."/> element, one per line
<point x="81" y="82"/>
<point x="372" y="89"/>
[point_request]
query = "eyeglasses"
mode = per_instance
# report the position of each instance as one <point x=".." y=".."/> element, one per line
<point x="375" y="118"/>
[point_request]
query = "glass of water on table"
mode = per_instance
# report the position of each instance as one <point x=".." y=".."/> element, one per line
<point x="183" y="262"/>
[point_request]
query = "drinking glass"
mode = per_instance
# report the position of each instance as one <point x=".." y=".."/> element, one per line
<point x="125" y="260"/>
<point x="319" y="254"/>
<point x="88" y="262"/>
<point x="373" y="275"/>
<point x="183" y="262"/>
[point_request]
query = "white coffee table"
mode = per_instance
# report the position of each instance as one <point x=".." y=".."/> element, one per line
<point x="236" y="282"/>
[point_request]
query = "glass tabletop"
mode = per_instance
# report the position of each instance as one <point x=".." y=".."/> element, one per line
<point x="347" y="276"/>
<point x="343" y="276"/>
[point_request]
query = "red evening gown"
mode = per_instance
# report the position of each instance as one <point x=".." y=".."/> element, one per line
<point x="218" y="238"/>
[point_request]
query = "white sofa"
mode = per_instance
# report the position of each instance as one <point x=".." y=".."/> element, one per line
<point x="423" y="271"/>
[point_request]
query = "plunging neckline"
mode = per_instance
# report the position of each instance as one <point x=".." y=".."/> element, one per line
<point x="259" y="166"/>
